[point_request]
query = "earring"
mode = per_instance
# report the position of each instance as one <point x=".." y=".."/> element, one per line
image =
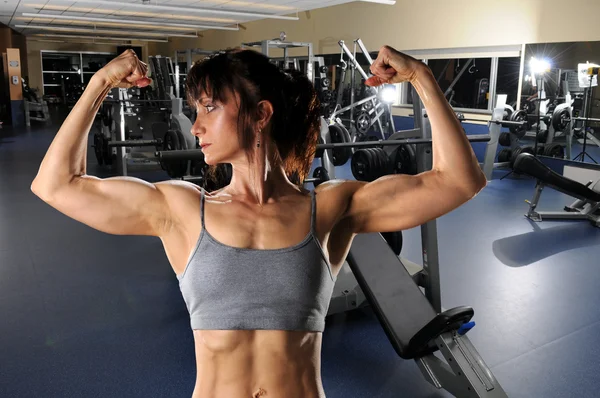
<point x="258" y="141"/>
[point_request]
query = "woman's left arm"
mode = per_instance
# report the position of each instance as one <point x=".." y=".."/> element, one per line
<point x="399" y="202"/>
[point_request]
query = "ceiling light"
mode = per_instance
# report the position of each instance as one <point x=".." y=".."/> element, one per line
<point x="100" y="31"/>
<point x="102" y="37"/>
<point x="137" y="14"/>
<point x="26" y="14"/>
<point x="187" y="9"/>
<point x="81" y="42"/>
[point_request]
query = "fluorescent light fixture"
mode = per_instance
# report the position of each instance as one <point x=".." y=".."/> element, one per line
<point x="103" y="38"/>
<point x="386" y="2"/>
<point x="49" y="41"/>
<point x="98" y="31"/>
<point x="388" y="94"/>
<point x="180" y="9"/>
<point x="539" y="66"/>
<point x="134" y="14"/>
<point x="125" y="21"/>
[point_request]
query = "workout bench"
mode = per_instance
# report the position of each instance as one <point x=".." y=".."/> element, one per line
<point x="587" y="205"/>
<point x="414" y="328"/>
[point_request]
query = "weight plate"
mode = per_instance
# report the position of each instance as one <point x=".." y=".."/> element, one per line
<point x="394" y="239"/>
<point x="323" y="69"/>
<point x="504" y="139"/>
<point x="363" y="122"/>
<point x="382" y="157"/>
<point x="372" y="165"/>
<point x="325" y="82"/>
<point x="528" y="149"/>
<point x="542" y="136"/>
<point x="339" y="134"/>
<point x="321" y="175"/>
<point x="367" y="106"/>
<point x="504" y="155"/>
<point x="554" y="150"/>
<point x="405" y="160"/>
<point x="508" y="112"/>
<point x="540" y="149"/>
<point x="376" y="163"/>
<point x="528" y="106"/>
<point x="519" y="131"/>
<point x="360" y="165"/>
<point x="561" y="120"/>
<point x="515" y="153"/>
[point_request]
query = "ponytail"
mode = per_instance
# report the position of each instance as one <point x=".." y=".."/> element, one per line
<point x="295" y="123"/>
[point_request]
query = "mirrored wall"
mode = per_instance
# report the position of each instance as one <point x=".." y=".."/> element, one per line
<point x="562" y="77"/>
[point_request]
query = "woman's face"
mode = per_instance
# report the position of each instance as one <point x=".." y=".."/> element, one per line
<point x="216" y="127"/>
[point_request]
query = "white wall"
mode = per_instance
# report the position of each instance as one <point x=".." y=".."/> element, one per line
<point x="419" y="24"/>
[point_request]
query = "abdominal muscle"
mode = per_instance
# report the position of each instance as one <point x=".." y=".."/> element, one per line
<point x="257" y="364"/>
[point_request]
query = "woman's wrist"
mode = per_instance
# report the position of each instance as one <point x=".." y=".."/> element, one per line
<point x="422" y="72"/>
<point x="100" y="80"/>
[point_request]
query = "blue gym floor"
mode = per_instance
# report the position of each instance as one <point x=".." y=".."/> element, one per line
<point x="86" y="314"/>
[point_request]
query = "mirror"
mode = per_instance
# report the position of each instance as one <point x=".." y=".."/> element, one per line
<point x="561" y="78"/>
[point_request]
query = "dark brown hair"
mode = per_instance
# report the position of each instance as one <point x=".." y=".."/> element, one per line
<point x="295" y="123"/>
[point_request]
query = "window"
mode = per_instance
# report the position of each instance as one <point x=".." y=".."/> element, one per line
<point x="508" y="78"/>
<point x="64" y="74"/>
<point x="464" y="81"/>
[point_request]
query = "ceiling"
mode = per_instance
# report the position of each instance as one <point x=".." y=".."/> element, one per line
<point x="151" y="20"/>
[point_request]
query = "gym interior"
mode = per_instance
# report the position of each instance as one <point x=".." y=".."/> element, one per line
<point x="497" y="298"/>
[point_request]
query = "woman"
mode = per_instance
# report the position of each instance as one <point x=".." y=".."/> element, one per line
<point x="257" y="259"/>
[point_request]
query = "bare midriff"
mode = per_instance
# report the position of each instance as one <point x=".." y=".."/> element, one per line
<point x="257" y="364"/>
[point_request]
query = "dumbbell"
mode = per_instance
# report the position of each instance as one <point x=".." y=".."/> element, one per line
<point x="320" y="175"/>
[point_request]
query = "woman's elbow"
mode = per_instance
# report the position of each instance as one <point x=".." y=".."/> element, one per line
<point x="475" y="184"/>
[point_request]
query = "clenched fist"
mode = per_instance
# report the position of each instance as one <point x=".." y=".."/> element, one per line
<point x="125" y="71"/>
<point x="392" y="67"/>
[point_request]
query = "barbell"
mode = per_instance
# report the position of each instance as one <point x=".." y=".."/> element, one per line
<point x="517" y="124"/>
<point x="196" y="154"/>
<point x="135" y="101"/>
<point x="134" y="143"/>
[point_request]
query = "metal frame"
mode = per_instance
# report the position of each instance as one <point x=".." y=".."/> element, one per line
<point x="465" y="374"/>
<point x="266" y="45"/>
<point x="494" y="53"/>
<point x="66" y="52"/>
<point x="580" y="209"/>
<point x="492" y="145"/>
<point x="375" y="110"/>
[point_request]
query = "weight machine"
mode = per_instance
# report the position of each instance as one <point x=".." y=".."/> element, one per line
<point x="130" y="124"/>
<point x="371" y="107"/>
<point x="287" y="62"/>
<point x="188" y="56"/>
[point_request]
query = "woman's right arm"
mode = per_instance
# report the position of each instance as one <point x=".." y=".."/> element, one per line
<point x="119" y="205"/>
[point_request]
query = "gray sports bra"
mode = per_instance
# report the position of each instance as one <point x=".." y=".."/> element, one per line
<point x="226" y="288"/>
